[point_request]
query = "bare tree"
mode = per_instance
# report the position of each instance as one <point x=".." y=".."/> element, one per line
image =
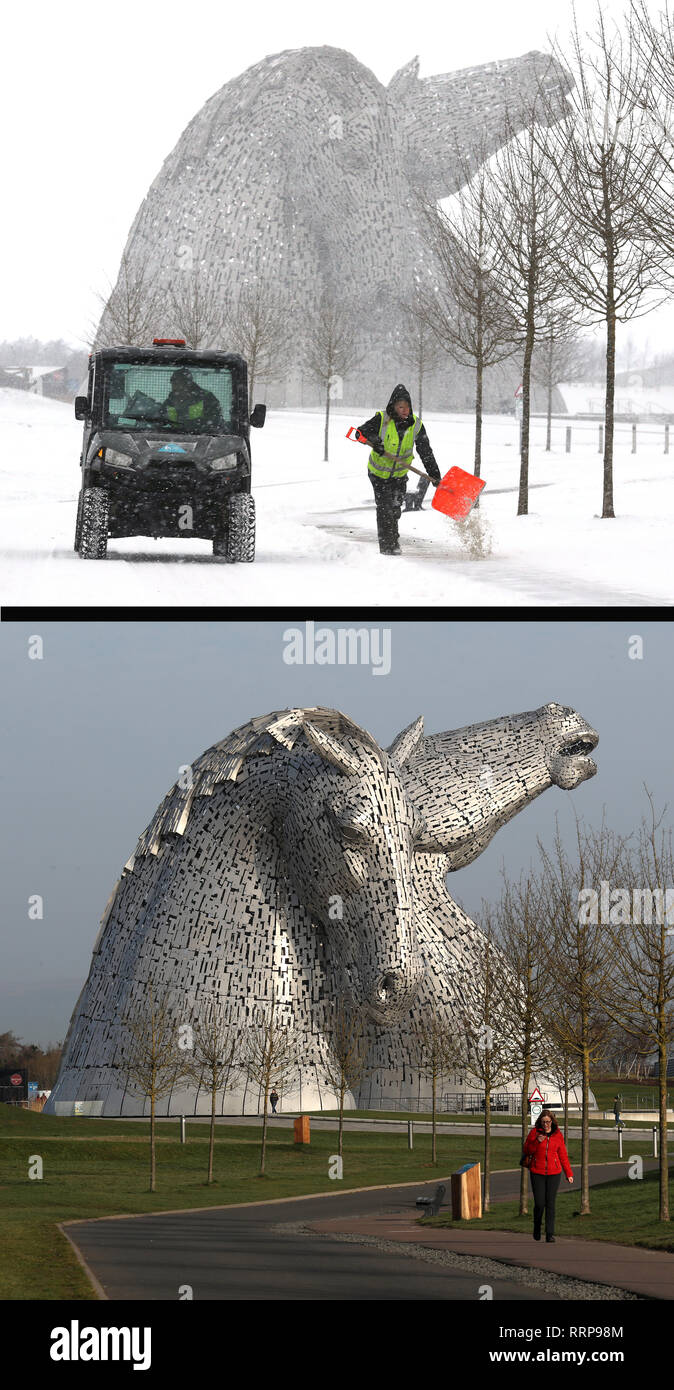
<point x="152" y="1058"/>
<point x="347" y="1042"/>
<point x="195" y="310"/>
<point x="494" y="1056"/>
<point x="558" y="1064"/>
<point x="257" y="326"/>
<point x="607" y="176"/>
<point x="652" y="89"/>
<point x="436" y="1050"/>
<point x="465" y="310"/>
<point x="582" y="964"/>
<point x="419" y="346"/>
<point x="519" y="923"/>
<point x="530" y="229"/>
<point x="131" y="311"/>
<point x="212" y="1061"/>
<point x="268" y="1058"/>
<point x="561" y="355"/>
<point x="331" y="350"/>
<point x="645" y="1006"/>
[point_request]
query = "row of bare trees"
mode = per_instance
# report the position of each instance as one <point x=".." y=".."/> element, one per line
<point x="585" y="943"/>
<point x="258" y="322"/>
<point x="569" y="227"/>
<point x="159" y="1057"/>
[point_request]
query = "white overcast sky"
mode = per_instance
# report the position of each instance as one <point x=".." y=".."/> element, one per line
<point x="93" y="98"/>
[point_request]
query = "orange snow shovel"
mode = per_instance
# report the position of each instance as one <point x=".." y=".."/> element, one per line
<point x="454" y="495"/>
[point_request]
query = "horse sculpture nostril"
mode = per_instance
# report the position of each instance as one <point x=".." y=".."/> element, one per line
<point x="387" y="987"/>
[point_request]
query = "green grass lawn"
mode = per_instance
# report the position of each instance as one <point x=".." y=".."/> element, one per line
<point x="94" y="1168"/>
<point x="605" y="1091"/>
<point x="625" y="1211"/>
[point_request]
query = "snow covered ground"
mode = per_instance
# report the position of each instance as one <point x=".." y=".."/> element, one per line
<point x="316" y="524"/>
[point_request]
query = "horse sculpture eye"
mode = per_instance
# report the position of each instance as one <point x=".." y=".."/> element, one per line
<point x="353" y="835"/>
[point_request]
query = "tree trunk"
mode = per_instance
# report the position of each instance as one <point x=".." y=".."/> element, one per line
<point x="264" y="1126"/>
<point x="327" y="422"/>
<point x="585" y="1133"/>
<point x="152" y="1162"/>
<point x="434" y="1082"/>
<point x="212" y="1138"/>
<point x="524" y="1172"/>
<point x="252" y="360"/>
<point x="523" y="500"/>
<point x="662" y="1058"/>
<point x="479" y="369"/>
<point x="487" y="1143"/>
<point x="566" y="1102"/>
<point x="341" y="1118"/>
<point x="607" y="509"/>
<point x="548" y="432"/>
<point x="477" y="465"/>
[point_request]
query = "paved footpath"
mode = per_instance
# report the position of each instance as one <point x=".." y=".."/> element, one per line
<point x="287" y="1250"/>
<point x="598" y="1130"/>
<point x="648" y="1273"/>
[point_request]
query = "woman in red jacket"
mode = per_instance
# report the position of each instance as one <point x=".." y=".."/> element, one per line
<point x="547" y="1150"/>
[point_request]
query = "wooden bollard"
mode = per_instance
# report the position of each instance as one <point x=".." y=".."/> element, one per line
<point x="467" y="1193"/>
<point x="600" y="450"/>
<point x="302" y="1130"/>
<point x="568" y="439"/>
<point x="634" y="439"/>
<point x="666" y="439"/>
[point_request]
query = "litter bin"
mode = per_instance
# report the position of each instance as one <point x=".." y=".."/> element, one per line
<point x="302" y="1134"/>
<point x="466" y="1193"/>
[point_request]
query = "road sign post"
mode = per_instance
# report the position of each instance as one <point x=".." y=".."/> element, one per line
<point x="536" y="1103"/>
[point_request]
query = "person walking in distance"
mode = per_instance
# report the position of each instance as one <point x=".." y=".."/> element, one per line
<point x="394" y="433"/>
<point x="616" y="1113"/>
<point x="545" y="1156"/>
<point x="273" y="1100"/>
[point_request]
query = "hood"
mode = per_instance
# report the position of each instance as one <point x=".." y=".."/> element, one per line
<point x="169" y="448"/>
<point x="399" y="393"/>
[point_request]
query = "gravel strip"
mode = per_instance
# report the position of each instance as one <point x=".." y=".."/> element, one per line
<point x="560" y="1284"/>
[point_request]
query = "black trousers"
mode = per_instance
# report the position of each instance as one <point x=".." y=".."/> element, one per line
<point x="389" y="495"/>
<point x="545" y="1187"/>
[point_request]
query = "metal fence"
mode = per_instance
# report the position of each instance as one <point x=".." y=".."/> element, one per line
<point x="453" y="1103"/>
<point x="648" y="1101"/>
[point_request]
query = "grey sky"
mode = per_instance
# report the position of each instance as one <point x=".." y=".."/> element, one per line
<point x="94" y="98"/>
<point x="95" y="733"/>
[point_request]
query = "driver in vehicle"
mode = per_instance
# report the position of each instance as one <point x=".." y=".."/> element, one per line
<point x="191" y="405"/>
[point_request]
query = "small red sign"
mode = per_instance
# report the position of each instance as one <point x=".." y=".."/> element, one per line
<point x="536" y="1095"/>
<point x="16" y="1079"/>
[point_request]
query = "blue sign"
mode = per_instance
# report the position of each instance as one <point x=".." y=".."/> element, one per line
<point x="32" y="1087"/>
<point x="172" y="449"/>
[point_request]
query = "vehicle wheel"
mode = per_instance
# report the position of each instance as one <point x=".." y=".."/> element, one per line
<point x="78" y="523"/>
<point x="94" y="524"/>
<point x="241" y="527"/>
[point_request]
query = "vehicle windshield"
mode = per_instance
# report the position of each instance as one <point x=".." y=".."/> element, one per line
<point x="184" y="400"/>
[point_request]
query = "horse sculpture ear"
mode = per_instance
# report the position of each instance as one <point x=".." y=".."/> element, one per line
<point x="331" y="750"/>
<point x="405" y="744"/>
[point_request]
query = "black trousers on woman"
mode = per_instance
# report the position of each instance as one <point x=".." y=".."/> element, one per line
<point x="389" y="494"/>
<point x="544" y="1187"/>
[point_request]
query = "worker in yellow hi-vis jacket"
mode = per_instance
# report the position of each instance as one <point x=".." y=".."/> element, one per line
<point x="395" y="432"/>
